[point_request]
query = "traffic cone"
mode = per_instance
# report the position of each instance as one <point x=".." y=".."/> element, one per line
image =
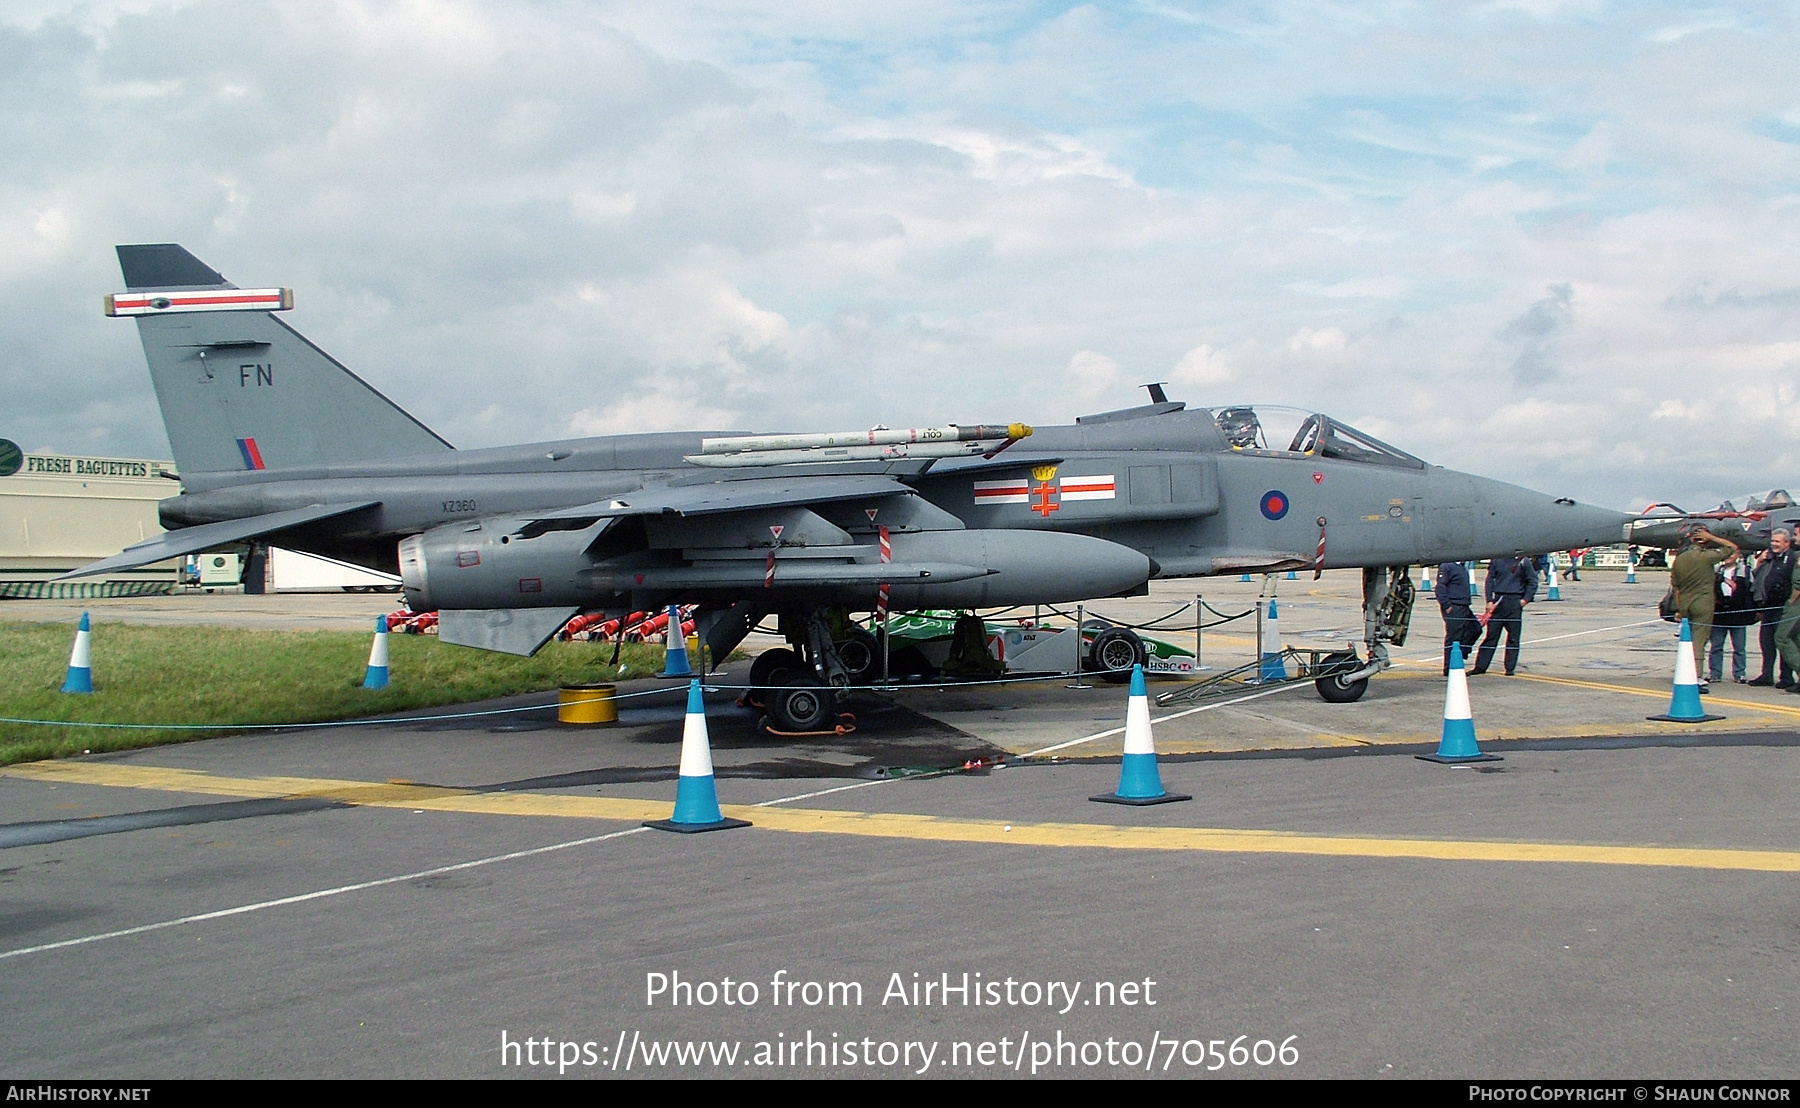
<point x="81" y="661"/>
<point x="1555" y="584"/>
<point x="1291" y="576"/>
<point x="1425" y="579"/>
<point x="1274" y="666"/>
<point x="1684" y="702"/>
<point x="675" y="660"/>
<point x="1139" y="783"/>
<point x="376" y="677"/>
<point x="1630" y="572"/>
<point x="1244" y="577"/>
<point x="1458" y="742"/>
<point x="696" y="797"/>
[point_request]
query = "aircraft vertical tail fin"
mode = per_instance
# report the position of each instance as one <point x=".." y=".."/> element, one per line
<point x="240" y="389"/>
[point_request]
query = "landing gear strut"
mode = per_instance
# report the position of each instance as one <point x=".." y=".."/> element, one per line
<point x="1387" y="613"/>
<point x="802" y="684"/>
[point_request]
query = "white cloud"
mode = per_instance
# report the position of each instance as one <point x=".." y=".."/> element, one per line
<point x="540" y="220"/>
<point x="1203" y="367"/>
<point x="1374" y="288"/>
<point x="1681" y="31"/>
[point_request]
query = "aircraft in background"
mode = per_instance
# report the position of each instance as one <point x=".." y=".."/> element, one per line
<point x="1665" y="525"/>
<point x="278" y="443"/>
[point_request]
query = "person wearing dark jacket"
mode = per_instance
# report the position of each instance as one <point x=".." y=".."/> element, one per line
<point x="1774" y="580"/>
<point x="1511" y="584"/>
<point x="1460" y="624"/>
<point x="1734" y="610"/>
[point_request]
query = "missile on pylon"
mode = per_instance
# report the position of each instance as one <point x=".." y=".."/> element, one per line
<point x="877" y="436"/>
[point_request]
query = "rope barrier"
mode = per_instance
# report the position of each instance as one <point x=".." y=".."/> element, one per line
<point x="673" y="688"/>
<point x="708" y="686"/>
<point x="1223" y="618"/>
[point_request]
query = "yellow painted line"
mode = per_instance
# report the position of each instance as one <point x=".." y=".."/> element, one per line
<point x="1663" y="694"/>
<point x="1168" y="745"/>
<point x="887" y="825"/>
<point x="1220" y="840"/>
<point x="367" y="794"/>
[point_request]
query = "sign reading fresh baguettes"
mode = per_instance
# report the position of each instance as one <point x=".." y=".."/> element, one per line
<point x="12" y="461"/>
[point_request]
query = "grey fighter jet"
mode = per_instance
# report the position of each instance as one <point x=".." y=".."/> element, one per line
<point x="1666" y="525"/>
<point x="278" y="443"/>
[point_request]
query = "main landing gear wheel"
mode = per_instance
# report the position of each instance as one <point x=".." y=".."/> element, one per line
<point x="1113" y="653"/>
<point x="772" y="669"/>
<point x="861" y="655"/>
<point x="801" y="707"/>
<point x="1332" y="686"/>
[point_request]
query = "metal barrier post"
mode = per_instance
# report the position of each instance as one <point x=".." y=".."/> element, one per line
<point x="1199" y="628"/>
<point x="1080" y="618"/>
<point x="886" y="681"/>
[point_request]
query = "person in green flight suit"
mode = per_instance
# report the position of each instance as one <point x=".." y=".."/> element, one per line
<point x="1692" y="578"/>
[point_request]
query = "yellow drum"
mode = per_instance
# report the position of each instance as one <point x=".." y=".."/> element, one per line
<point x="587" y="704"/>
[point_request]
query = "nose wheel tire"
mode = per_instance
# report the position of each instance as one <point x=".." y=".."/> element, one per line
<point x="1332" y="686"/>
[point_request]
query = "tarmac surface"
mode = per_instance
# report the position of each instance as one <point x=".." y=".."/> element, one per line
<point x="1614" y="899"/>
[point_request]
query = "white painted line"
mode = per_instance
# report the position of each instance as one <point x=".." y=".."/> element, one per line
<point x="322" y="893"/>
<point x="824" y="792"/>
<point x="1595" y="631"/>
<point x="1172" y="715"/>
<point x="1430" y="660"/>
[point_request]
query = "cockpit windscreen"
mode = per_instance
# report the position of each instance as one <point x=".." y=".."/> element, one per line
<point x="1282" y="430"/>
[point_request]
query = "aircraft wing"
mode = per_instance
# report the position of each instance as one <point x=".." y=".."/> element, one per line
<point x="192" y="540"/>
<point x="734" y="496"/>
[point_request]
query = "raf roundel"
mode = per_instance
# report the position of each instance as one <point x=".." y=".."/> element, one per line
<point x="1275" y="504"/>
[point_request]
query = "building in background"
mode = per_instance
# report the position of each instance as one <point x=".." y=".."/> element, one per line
<point x="61" y="511"/>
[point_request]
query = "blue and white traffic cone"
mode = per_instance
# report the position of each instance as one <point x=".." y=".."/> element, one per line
<point x="1244" y="577"/>
<point x="1630" y="572"/>
<point x="1458" y="742"/>
<point x="1274" y="666"/>
<point x="696" y="796"/>
<point x="81" y="661"/>
<point x="1555" y="584"/>
<point x="1291" y="576"/>
<point x="1425" y="580"/>
<point x="1139" y="782"/>
<point x="376" y="676"/>
<point x="675" y="659"/>
<point x="1684" y="701"/>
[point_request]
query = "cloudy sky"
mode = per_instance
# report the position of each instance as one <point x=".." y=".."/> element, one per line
<point x="1555" y="243"/>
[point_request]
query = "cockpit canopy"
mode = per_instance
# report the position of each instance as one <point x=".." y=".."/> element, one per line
<point x="1773" y="500"/>
<point x="1290" y="431"/>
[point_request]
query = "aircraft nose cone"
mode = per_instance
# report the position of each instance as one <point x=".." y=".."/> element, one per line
<point x="1562" y="524"/>
<point x="1475" y="517"/>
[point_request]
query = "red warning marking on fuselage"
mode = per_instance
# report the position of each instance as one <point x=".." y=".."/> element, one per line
<point x="1099" y="486"/>
<point x="1002" y="492"/>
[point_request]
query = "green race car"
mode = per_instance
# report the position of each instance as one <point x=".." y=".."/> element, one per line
<point x="926" y="644"/>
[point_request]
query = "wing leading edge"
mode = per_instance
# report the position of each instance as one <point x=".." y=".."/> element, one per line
<point x="193" y="540"/>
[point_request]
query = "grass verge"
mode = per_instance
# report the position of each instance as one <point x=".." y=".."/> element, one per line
<point x="209" y="676"/>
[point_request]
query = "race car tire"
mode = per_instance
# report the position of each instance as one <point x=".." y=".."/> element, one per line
<point x="1113" y="652"/>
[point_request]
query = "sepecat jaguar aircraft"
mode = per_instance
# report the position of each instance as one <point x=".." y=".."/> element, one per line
<point x="278" y="443"/>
